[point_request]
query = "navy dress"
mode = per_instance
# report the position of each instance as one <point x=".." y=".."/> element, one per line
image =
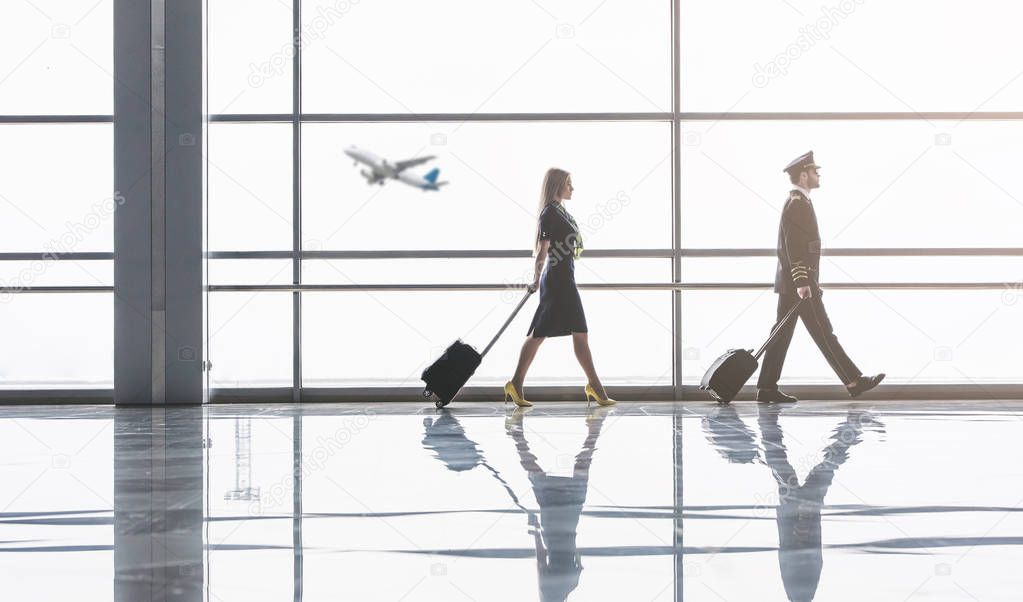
<point x="560" y="311"/>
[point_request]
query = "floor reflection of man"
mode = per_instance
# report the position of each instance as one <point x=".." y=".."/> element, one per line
<point x="800" y="554"/>
<point x="799" y="506"/>
<point x="561" y="503"/>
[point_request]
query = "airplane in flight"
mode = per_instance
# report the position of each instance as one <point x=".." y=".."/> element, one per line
<point x="380" y="169"/>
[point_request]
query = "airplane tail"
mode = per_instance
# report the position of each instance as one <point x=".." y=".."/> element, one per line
<point x="431" y="177"/>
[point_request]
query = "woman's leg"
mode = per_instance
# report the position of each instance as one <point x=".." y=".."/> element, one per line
<point x="580" y="342"/>
<point x="526" y="356"/>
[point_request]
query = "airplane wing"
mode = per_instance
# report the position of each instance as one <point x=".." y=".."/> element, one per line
<point x="403" y="165"/>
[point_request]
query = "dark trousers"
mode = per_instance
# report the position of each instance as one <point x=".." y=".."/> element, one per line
<point x="816" y="321"/>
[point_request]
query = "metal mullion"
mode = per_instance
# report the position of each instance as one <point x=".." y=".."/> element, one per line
<point x="676" y="200"/>
<point x="866" y="252"/>
<point x="48" y="256"/>
<point x="615" y="286"/>
<point x="296" y="201"/>
<point x="479" y="254"/>
<point x="620" y="253"/>
<point x="251" y="118"/>
<point x="956" y="392"/>
<point x="676" y="298"/>
<point x="25" y="290"/>
<point x="42" y="119"/>
<point x="855" y="116"/>
<point x="427" y="254"/>
<point x="435" y="117"/>
<point x="249" y="254"/>
<point x="604" y="116"/>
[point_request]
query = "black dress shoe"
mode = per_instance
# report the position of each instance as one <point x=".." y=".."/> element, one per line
<point x="864" y="384"/>
<point x="774" y="396"/>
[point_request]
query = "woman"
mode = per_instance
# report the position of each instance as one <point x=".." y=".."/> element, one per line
<point x="560" y="311"/>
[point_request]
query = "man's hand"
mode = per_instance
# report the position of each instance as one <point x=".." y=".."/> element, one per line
<point x="804" y="292"/>
<point x="532" y="287"/>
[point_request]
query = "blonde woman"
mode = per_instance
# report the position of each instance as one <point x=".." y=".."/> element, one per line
<point x="560" y="311"/>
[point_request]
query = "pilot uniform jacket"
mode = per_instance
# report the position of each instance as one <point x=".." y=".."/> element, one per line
<point x="799" y="257"/>
<point x="799" y="246"/>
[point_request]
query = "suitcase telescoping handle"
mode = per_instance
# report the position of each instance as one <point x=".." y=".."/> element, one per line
<point x="777" y="328"/>
<point x="507" y="322"/>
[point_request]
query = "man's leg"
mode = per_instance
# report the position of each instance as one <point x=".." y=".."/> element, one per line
<point x="815" y="318"/>
<point x="774" y="357"/>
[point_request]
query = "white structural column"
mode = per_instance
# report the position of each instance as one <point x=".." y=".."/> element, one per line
<point x="158" y="355"/>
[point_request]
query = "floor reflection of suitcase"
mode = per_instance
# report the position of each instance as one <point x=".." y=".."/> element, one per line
<point x="727" y="375"/>
<point x="445" y="377"/>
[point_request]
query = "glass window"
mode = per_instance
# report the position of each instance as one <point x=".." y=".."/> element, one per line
<point x="56" y="189"/>
<point x="249" y="271"/>
<point x="915" y="336"/>
<point x="461" y="57"/>
<point x="58" y="58"/>
<point x="855" y="270"/>
<point x="388" y="338"/>
<point x="477" y="271"/>
<point x="850" y="55"/>
<point x="249" y="172"/>
<point x="250" y="56"/>
<point x="906" y="183"/>
<point x="883" y="183"/>
<point x="250" y="339"/>
<point x="621" y="173"/>
<point x="57" y="341"/>
<point x="55" y="272"/>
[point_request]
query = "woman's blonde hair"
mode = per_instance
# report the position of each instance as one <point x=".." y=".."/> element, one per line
<point x="553" y="181"/>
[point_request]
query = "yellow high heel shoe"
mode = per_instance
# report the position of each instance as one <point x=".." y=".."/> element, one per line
<point x="510" y="392"/>
<point x="591" y="393"/>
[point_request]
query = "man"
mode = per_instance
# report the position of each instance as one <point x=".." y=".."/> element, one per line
<point x="799" y="254"/>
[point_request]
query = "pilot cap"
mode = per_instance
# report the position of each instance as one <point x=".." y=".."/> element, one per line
<point x="800" y="163"/>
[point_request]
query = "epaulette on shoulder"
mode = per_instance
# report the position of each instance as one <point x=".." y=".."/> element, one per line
<point x="795" y="196"/>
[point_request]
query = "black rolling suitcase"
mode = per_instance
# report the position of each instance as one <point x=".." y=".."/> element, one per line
<point x="445" y="377"/>
<point x="726" y="376"/>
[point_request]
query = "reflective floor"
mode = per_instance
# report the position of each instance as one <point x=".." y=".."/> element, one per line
<point x="827" y="501"/>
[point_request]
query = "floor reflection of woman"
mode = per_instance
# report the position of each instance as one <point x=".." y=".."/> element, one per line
<point x="561" y="499"/>
<point x="560" y="309"/>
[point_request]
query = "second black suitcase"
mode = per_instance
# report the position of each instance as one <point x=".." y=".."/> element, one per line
<point x="727" y="375"/>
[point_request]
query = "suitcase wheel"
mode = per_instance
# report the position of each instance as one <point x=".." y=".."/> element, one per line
<point x="439" y="404"/>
